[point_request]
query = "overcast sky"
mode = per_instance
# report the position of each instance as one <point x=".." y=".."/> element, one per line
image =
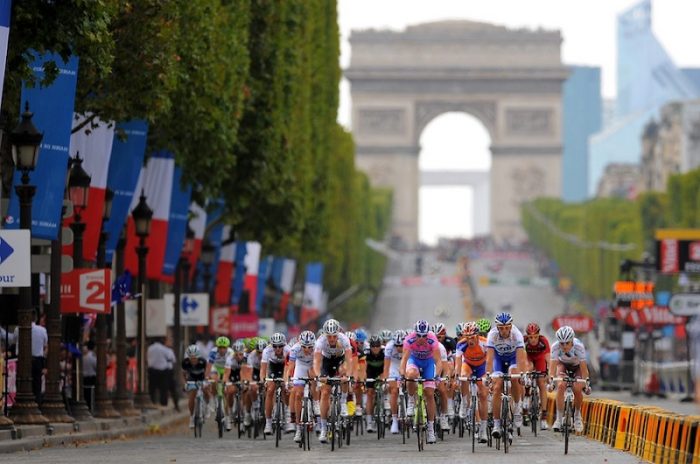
<point x="589" y="33"/>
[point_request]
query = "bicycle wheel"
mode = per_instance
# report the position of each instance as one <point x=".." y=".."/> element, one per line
<point x="505" y="423"/>
<point x="220" y="415"/>
<point x="332" y="419"/>
<point x="402" y="420"/>
<point x="535" y="410"/>
<point x="419" y="422"/>
<point x="278" y="418"/>
<point x="197" y="418"/>
<point x="472" y="423"/>
<point x="566" y="425"/>
<point x="239" y="414"/>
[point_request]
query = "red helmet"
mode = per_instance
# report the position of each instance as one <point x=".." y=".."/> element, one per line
<point x="532" y="328"/>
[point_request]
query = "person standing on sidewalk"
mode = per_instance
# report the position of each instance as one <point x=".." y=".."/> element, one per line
<point x="170" y="380"/>
<point x="40" y="342"/>
<point x="89" y="373"/>
<point x="157" y="359"/>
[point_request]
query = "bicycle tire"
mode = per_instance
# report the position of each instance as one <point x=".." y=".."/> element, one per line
<point x="278" y="417"/>
<point x="332" y="419"/>
<point x="535" y="409"/>
<point x="419" y="422"/>
<point x="197" y="418"/>
<point x="472" y="420"/>
<point x="505" y="411"/>
<point x="402" y="420"/>
<point x="220" y="416"/>
<point x="567" y="406"/>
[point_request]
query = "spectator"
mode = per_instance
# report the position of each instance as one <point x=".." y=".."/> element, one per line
<point x="157" y="360"/>
<point x="89" y="372"/>
<point x="40" y="342"/>
<point x="170" y="376"/>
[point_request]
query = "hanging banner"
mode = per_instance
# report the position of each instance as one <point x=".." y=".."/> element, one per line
<point x="128" y="149"/>
<point x="264" y="273"/>
<point x="225" y="271"/>
<point x="580" y="323"/>
<point x="219" y="321"/>
<point x="5" y="13"/>
<point x="86" y="291"/>
<point x="214" y="234"/>
<point x="198" y="223"/>
<point x="53" y="116"/>
<point x="239" y="275"/>
<point x="313" y="292"/>
<point x="15" y="259"/>
<point x="252" y="266"/>
<point x="93" y="144"/>
<point x="156" y="181"/>
<point x="177" y="225"/>
<point x="243" y="325"/>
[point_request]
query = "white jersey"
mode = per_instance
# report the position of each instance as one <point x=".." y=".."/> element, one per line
<point x="443" y="352"/>
<point x="269" y="355"/>
<point x="505" y="346"/>
<point x="221" y="361"/>
<point x="254" y="359"/>
<point x="575" y="355"/>
<point x="391" y="353"/>
<point x="328" y="351"/>
<point x="297" y="355"/>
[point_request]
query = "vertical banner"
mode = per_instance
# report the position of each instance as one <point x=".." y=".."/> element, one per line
<point x="264" y="273"/>
<point x="128" y="149"/>
<point x="53" y="116"/>
<point x="239" y="276"/>
<point x="670" y="262"/>
<point x="177" y="225"/>
<point x="198" y="223"/>
<point x="214" y="231"/>
<point x="289" y="268"/>
<point x="313" y="292"/>
<point x="93" y="144"/>
<point x="252" y="264"/>
<point x="225" y="271"/>
<point x="156" y="181"/>
<point x="5" y="11"/>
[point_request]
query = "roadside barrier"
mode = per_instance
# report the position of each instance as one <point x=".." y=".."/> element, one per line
<point x="650" y="433"/>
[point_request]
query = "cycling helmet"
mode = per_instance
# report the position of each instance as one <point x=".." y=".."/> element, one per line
<point x="307" y="338"/>
<point x="565" y="334"/>
<point x="385" y="335"/>
<point x="331" y="327"/>
<point x="361" y="335"/>
<point x="193" y="351"/>
<point x="375" y="340"/>
<point x="459" y="328"/>
<point x="223" y="342"/>
<point x="351" y="335"/>
<point x="399" y="335"/>
<point x="438" y="328"/>
<point x="503" y="319"/>
<point x="278" y="339"/>
<point x="261" y="344"/>
<point x="532" y="328"/>
<point x="239" y="346"/>
<point x="421" y="327"/>
<point x="292" y="341"/>
<point x="484" y="325"/>
<point x="470" y="329"/>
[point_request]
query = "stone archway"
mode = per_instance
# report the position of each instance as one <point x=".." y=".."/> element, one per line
<point x="508" y="79"/>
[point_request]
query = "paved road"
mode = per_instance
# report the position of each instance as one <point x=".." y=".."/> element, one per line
<point x="181" y="447"/>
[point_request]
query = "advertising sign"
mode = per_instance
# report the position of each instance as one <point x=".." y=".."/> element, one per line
<point x="244" y="325"/>
<point x="15" y="258"/>
<point x="194" y="309"/>
<point x="219" y="321"/>
<point x="86" y="291"/>
<point x="580" y="323"/>
<point x="678" y="250"/>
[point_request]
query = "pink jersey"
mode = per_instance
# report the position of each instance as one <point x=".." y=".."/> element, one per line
<point x="421" y="347"/>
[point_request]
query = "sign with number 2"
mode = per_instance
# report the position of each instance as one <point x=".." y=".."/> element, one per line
<point x="86" y="291"/>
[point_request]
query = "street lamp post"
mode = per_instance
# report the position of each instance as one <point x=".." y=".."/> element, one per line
<point x="187" y="251"/>
<point x="142" y="220"/>
<point x="25" y="140"/>
<point x="78" y="192"/>
<point x="208" y="256"/>
<point x="103" y="405"/>
<point x="180" y="278"/>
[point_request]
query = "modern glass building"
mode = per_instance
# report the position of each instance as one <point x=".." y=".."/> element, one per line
<point x="646" y="79"/>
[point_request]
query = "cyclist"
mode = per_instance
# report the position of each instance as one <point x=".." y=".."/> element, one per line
<point x="301" y="357"/>
<point x="568" y="358"/>
<point x="459" y="328"/>
<point x="537" y="349"/>
<point x="484" y="326"/>
<point x="358" y="360"/>
<point x="219" y="368"/>
<point x="393" y="353"/>
<point x="447" y="347"/>
<point x="251" y="372"/>
<point x="421" y="358"/>
<point x="386" y="335"/>
<point x="332" y="357"/>
<point x="506" y="353"/>
<point x="193" y="370"/>
<point x="272" y="365"/>
<point x="373" y="370"/>
<point x="470" y="359"/>
<point x="237" y="362"/>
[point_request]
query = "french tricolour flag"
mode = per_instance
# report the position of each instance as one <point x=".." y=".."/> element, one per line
<point x="93" y="144"/>
<point x="224" y="274"/>
<point x="252" y="263"/>
<point x="198" y="223"/>
<point x="5" y="10"/>
<point x="156" y="181"/>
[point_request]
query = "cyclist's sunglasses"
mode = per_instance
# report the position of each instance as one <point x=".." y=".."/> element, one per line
<point x="277" y="346"/>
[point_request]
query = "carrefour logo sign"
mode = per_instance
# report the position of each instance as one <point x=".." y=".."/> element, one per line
<point x="15" y="258"/>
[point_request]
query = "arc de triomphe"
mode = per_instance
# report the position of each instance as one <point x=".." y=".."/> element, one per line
<point x="509" y="79"/>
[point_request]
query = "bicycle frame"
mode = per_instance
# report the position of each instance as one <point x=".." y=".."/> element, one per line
<point x="567" y="423"/>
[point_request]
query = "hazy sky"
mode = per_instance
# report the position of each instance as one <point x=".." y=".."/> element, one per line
<point x="589" y="33"/>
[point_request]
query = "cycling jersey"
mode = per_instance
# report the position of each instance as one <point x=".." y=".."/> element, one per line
<point x="395" y="356"/>
<point x="421" y="347"/>
<point x="302" y="362"/>
<point x="220" y="362"/>
<point x="236" y="365"/>
<point x="573" y="358"/>
<point x="450" y="345"/>
<point x="269" y="355"/>
<point x="505" y="346"/>
<point x="536" y="353"/>
<point x="336" y="351"/>
<point x="375" y="365"/>
<point x="195" y="372"/>
<point x="472" y="355"/>
<point x="253" y="359"/>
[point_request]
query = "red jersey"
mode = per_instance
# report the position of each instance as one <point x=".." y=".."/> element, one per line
<point x="536" y="353"/>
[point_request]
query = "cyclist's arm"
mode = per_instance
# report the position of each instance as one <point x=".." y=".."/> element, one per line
<point x="289" y="371"/>
<point x="437" y="357"/>
<point x="584" y="369"/>
<point x="348" y="360"/>
<point x="263" y="370"/>
<point x="546" y="359"/>
<point x="553" y="367"/>
<point x="387" y="366"/>
<point x="521" y="358"/>
<point x="317" y="362"/>
<point x="246" y="373"/>
<point x="404" y="361"/>
<point x="458" y="365"/>
<point x="489" y="359"/>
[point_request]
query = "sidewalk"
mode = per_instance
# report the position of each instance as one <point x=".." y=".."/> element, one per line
<point x="30" y="437"/>
<point x="671" y="404"/>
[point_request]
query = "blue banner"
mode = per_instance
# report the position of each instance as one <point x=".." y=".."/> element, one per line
<point x="5" y="11"/>
<point x="177" y="222"/>
<point x="276" y="272"/>
<point x="124" y="168"/>
<point x="264" y="272"/>
<point x="53" y="116"/>
<point x="239" y="272"/>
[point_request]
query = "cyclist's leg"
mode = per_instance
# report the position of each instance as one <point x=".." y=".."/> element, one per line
<point x="561" y="388"/>
<point x="428" y="372"/>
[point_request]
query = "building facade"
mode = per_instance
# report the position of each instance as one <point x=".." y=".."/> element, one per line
<point x="620" y="180"/>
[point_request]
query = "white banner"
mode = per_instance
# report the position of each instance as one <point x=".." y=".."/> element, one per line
<point x="155" y="318"/>
<point x="266" y="327"/>
<point x="131" y="316"/>
<point x="15" y="258"/>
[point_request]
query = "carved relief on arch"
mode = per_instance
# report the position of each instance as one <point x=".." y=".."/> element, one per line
<point x="426" y="111"/>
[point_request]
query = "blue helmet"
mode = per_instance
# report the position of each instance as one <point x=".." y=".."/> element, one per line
<point x="503" y="319"/>
<point x="361" y="335"/>
<point x="421" y="327"/>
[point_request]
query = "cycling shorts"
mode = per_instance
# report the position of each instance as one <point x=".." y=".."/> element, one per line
<point x="502" y="364"/>
<point x="275" y="370"/>
<point x="426" y="368"/>
<point x="478" y="371"/>
<point x="331" y="366"/>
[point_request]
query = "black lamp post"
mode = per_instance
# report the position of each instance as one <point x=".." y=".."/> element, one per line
<point x="25" y="140"/>
<point x="142" y="215"/>
<point x="208" y="256"/>
<point x="181" y="271"/>
<point x="78" y="193"/>
<point x="103" y="405"/>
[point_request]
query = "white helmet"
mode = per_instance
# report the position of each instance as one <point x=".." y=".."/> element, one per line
<point x="399" y="336"/>
<point x="278" y="339"/>
<point x="307" y="338"/>
<point x="331" y="327"/>
<point x="565" y="334"/>
<point x="193" y="351"/>
<point x="438" y="327"/>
